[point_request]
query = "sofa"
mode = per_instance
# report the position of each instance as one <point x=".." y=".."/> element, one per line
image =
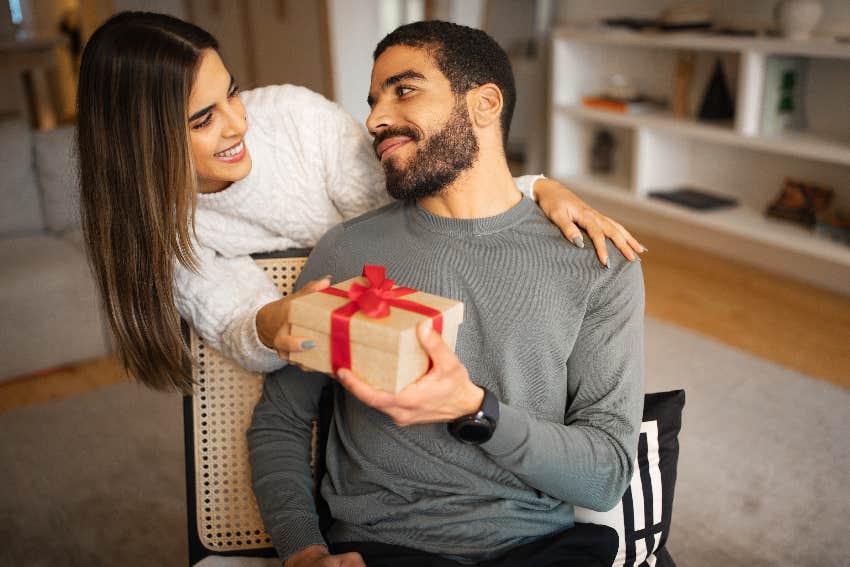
<point x="50" y="313"/>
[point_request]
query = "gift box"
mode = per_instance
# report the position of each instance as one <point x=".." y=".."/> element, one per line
<point x="369" y="325"/>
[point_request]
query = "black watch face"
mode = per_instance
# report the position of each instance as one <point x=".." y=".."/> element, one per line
<point x="474" y="432"/>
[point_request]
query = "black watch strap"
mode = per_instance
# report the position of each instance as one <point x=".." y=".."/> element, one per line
<point x="478" y="427"/>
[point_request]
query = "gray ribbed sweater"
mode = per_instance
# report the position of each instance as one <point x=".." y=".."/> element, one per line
<point x="557" y="337"/>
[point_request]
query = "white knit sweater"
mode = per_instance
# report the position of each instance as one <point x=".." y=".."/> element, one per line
<point x="313" y="167"/>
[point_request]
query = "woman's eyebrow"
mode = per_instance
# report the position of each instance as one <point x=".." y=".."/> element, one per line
<point x="210" y="107"/>
<point x="201" y="113"/>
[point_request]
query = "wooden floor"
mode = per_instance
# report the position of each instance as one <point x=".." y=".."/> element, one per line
<point x="791" y="323"/>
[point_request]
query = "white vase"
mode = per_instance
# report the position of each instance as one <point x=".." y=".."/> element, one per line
<point x="797" y="19"/>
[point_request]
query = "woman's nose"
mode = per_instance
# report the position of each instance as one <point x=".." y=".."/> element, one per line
<point x="237" y="121"/>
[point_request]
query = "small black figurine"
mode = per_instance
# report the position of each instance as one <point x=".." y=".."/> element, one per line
<point x="602" y="152"/>
<point x="717" y="102"/>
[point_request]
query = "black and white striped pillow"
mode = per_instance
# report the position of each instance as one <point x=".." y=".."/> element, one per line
<point x="642" y="518"/>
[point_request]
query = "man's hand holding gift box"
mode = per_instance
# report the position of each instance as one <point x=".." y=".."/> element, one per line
<point x="368" y="326"/>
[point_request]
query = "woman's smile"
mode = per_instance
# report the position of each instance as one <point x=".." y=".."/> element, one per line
<point x="233" y="154"/>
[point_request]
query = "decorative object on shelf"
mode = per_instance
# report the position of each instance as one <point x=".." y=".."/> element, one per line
<point x="621" y="95"/>
<point x="636" y="24"/>
<point x="621" y="87"/>
<point x="685" y="62"/>
<point x="679" y="17"/>
<point x="717" y="102"/>
<point x="801" y="202"/>
<point x="693" y="198"/>
<point x="640" y="105"/>
<point x="783" y="107"/>
<point x="835" y="225"/>
<point x="685" y="16"/>
<point x="602" y="152"/>
<point x="797" y="19"/>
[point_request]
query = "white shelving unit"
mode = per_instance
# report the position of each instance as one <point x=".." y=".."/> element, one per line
<point x="662" y="151"/>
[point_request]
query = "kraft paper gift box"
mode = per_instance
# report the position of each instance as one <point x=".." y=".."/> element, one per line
<point x="369" y="325"/>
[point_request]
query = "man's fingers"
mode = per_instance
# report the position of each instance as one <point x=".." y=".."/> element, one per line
<point x="434" y="345"/>
<point x="352" y="559"/>
<point x="370" y="396"/>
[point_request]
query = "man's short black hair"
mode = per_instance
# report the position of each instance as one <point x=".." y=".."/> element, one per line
<point x="466" y="56"/>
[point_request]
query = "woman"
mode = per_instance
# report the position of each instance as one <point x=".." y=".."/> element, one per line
<point x="177" y="192"/>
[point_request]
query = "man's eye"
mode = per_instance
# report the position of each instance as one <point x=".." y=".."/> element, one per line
<point x="401" y="91"/>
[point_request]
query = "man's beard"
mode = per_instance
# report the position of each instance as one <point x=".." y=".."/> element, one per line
<point x="438" y="163"/>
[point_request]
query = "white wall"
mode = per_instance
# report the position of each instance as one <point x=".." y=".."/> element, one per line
<point x="355" y="31"/>
<point x="170" y="7"/>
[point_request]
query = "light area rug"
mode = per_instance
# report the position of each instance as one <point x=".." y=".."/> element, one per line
<point x="763" y="472"/>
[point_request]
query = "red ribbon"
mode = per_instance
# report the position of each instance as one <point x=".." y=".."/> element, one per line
<point x="373" y="300"/>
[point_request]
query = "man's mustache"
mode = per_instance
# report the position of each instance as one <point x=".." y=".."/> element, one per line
<point x="405" y="131"/>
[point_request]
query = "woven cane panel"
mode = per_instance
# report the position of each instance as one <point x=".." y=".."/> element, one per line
<point x="227" y="515"/>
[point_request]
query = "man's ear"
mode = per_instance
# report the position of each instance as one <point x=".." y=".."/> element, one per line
<point x="486" y="105"/>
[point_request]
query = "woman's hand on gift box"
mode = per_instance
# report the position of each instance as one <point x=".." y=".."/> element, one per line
<point x="272" y="322"/>
<point x="442" y="394"/>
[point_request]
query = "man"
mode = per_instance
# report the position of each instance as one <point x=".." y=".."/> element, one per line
<point x="544" y="396"/>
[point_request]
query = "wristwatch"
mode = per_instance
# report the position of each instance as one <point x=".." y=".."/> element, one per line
<point x="478" y="427"/>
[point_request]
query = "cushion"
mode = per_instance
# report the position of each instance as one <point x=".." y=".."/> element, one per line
<point x="642" y="518"/>
<point x="49" y="307"/>
<point x="56" y="167"/>
<point x="21" y="210"/>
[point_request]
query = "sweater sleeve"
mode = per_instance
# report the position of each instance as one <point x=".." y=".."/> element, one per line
<point x="588" y="460"/>
<point x="221" y="302"/>
<point x="355" y="181"/>
<point x="525" y="184"/>
<point x="279" y="442"/>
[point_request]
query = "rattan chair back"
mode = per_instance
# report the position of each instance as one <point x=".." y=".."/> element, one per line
<point x="222" y="511"/>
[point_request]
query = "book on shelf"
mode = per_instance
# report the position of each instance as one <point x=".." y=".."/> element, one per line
<point x="782" y="102"/>
<point x="634" y="106"/>
<point x="694" y="198"/>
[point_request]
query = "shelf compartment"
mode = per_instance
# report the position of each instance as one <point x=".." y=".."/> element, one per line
<point x="801" y="145"/>
<point x="575" y="139"/>
<point x="741" y="222"/>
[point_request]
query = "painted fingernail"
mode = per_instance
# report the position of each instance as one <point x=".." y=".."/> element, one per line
<point x="578" y="241"/>
<point x="645" y="249"/>
<point x="606" y="263"/>
<point x="307" y="345"/>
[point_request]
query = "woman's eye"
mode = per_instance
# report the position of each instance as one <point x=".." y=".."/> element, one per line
<point x="205" y="122"/>
<point x="234" y="92"/>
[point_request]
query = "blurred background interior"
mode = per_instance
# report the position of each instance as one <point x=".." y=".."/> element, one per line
<point x="717" y="132"/>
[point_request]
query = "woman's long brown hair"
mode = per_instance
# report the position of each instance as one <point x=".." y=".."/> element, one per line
<point x="137" y="182"/>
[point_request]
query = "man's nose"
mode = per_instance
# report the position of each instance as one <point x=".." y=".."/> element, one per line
<point x="379" y="119"/>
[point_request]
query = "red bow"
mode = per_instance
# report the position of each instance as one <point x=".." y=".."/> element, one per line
<point x="374" y="301"/>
